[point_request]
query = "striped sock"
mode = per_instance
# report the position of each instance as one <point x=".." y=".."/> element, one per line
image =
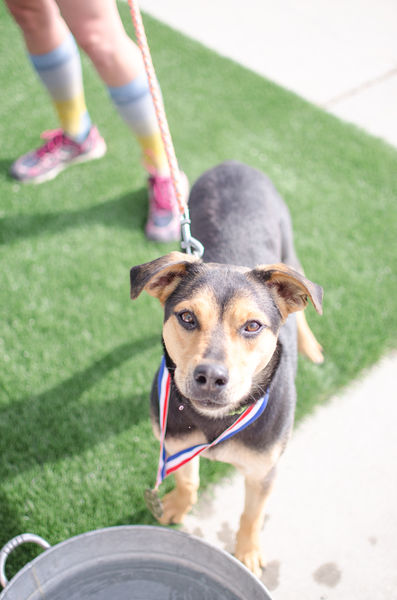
<point x="60" y="72"/>
<point x="134" y="104"/>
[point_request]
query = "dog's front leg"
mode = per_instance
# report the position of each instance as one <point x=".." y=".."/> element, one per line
<point x="178" y="503"/>
<point x="248" y="548"/>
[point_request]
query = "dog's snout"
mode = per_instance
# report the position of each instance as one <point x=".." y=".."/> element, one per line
<point x="211" y="377"/>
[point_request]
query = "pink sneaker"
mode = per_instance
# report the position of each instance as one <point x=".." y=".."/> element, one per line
<point x="164" y="221"/>
<point x="55" y="155"/>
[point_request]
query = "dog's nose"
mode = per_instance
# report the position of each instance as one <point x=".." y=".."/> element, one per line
<point x="211" y="377"/>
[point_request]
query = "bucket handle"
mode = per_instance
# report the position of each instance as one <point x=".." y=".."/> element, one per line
<point x="10" y="546"/>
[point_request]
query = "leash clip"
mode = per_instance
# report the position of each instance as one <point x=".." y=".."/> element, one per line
<point x="188" y="242"/>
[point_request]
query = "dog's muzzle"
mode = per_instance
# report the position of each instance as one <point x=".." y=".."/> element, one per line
<point x="210" y="381"/>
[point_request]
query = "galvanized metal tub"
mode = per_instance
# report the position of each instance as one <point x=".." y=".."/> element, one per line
<point x="134" y="563"/>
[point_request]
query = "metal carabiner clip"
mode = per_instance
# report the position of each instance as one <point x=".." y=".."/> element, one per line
<point x="189" y="243"/>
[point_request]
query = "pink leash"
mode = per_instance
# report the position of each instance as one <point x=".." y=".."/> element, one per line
<point x="188" y="243"/>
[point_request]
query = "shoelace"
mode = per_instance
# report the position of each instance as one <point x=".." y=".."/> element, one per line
<point x="55" y="139"/>
<point x="162" y="192"/>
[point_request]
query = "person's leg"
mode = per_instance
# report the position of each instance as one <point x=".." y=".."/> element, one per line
<point x="60" y="72"/>
<point x="99" y="31"/>
<point x="55" y="57"/>
<point x="42" y="27"/>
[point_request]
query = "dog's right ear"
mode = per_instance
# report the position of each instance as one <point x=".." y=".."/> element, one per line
<point x="160" y="277"/>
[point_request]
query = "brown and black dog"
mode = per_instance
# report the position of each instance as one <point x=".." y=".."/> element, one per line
<point x="228" y="337"/>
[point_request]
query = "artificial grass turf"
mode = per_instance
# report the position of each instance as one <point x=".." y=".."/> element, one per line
<point x="78" y="356"/>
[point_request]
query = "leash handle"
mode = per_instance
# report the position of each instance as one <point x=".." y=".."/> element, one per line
<point x="189" y="244"/>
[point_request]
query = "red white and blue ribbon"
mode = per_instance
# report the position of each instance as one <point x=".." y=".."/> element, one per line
<point x="170" y="464"/>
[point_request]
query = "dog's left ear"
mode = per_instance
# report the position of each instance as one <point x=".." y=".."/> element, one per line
<point x="290" y="288"/>
<point x="160" y="277"/>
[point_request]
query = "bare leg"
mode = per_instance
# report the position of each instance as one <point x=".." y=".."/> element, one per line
<point x="179" y="502"/>
<point x="307" y="343"/>
<point x="99" y="31"/>
<point x="41" y="24"/>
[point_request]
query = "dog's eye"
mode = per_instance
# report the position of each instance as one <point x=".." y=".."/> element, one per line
<point x="252" y="327"/>
<point x="187" y="319"/>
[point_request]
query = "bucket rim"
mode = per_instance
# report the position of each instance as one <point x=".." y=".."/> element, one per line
<point x="155" y="536"/>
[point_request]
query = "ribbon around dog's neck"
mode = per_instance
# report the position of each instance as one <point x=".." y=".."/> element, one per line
<point x="170" y="464"/>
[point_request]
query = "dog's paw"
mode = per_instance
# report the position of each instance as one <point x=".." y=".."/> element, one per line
<point x="252" y="558"/>
<point x="176" y="505"/>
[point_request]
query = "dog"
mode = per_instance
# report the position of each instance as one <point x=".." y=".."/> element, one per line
<point x="230" y="335"/>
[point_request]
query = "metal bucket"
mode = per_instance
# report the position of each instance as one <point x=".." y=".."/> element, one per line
<point x="131" y="563"/>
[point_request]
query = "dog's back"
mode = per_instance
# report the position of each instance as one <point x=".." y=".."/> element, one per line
<point x="240" y="218"/>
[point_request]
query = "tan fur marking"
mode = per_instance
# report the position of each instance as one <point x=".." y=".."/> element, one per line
<point x="255" y="466"/>
<point x="290" y="288"/>
<point x="248" y="548"/>
<point x="186" y="348"/>
<point x="245" y="357"/>
<point x="179" y="501"/>
<point x="159" y="277"/>
<point x="176" y="444"/>
<point x="249" y="462"/>
<point x="164" y="283"/>
<point x="307" y="343"/>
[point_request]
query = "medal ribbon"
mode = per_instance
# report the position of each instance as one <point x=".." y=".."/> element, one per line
<point x="170" y="464"/>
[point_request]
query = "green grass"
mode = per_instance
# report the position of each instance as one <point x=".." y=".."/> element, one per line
<point x="78" y="356"/>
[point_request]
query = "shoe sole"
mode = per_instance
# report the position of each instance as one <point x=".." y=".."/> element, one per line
<point x="98" y="152"/>
<point x="160" y="237"/>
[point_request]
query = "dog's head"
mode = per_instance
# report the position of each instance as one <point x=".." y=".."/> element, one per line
<point x="221" y="322"/>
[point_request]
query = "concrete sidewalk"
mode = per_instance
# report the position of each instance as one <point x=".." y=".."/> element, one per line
<point x="341" y="56"/>
<point x="331" y="526"/>
<point x="331" y="530"/>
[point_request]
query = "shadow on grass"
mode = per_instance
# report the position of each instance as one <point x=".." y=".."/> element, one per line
<point x="5" y="164"/>
<point x="128" y="211"/>
<point x="44" y="428"/>
<point x="9" y="519"/>
<point x="11" y="525"/>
